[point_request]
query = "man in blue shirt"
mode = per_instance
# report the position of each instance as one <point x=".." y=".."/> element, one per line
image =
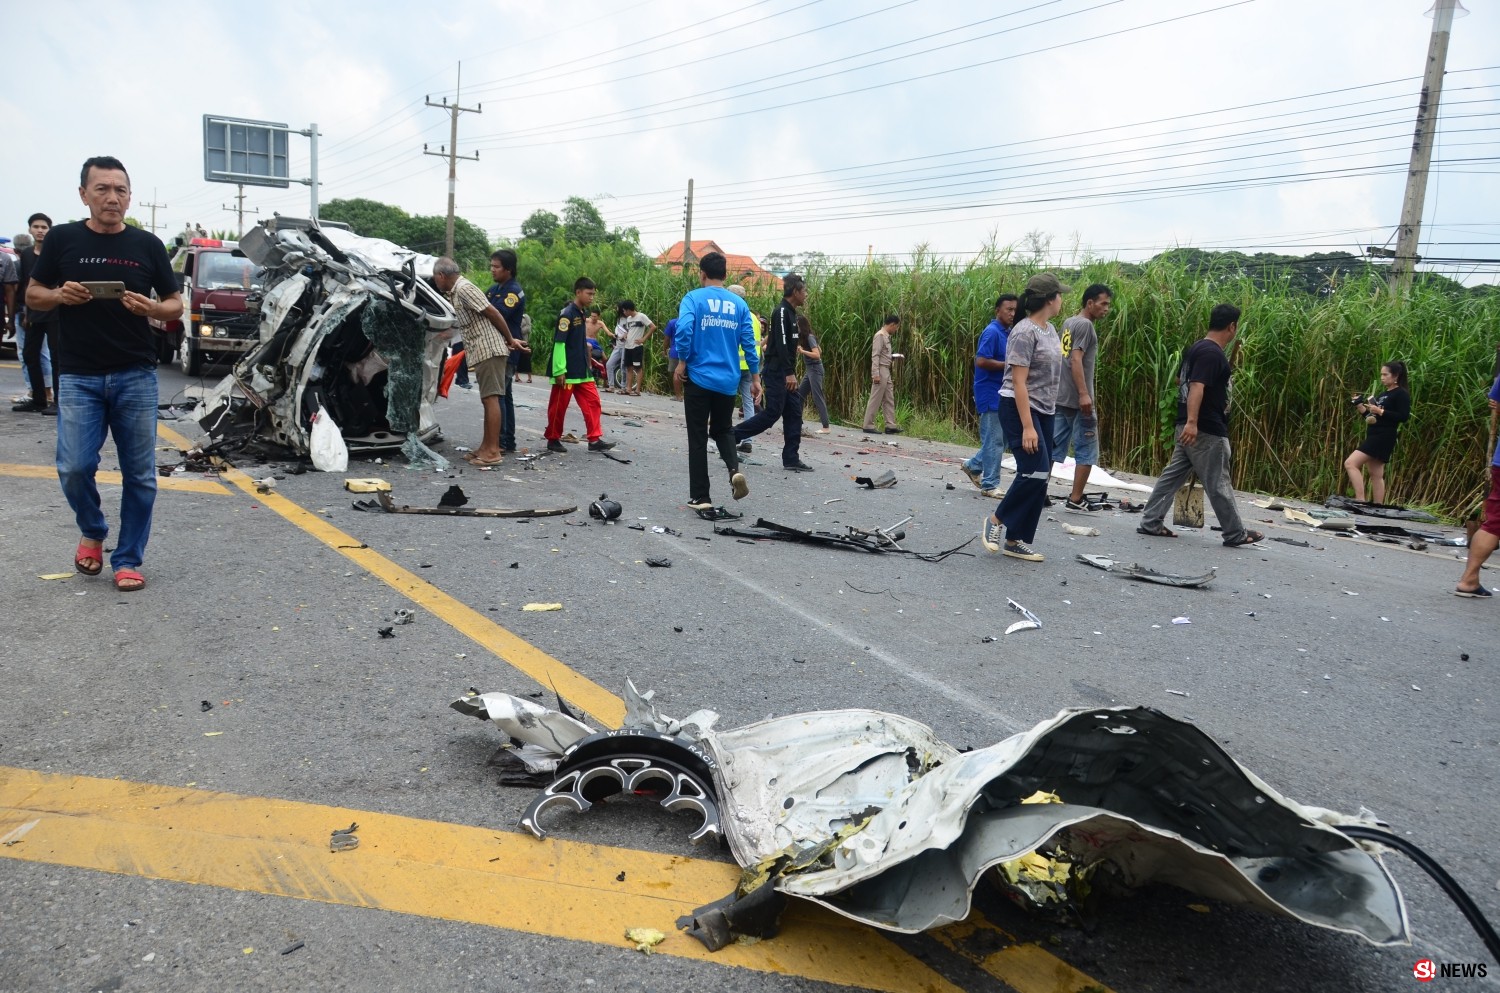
<point x="509" y="299"/>
<point x="712" y="326"/>
<point x="983" y="467"/>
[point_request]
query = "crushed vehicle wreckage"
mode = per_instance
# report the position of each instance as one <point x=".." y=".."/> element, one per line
<point x="348" y="325"/>
<point x="874" y="817"/>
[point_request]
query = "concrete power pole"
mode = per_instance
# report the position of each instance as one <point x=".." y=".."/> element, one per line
<point x="239" y="209"/>
<point x="154" y="208"/>
<point x="687" y="230"/>
<point x="452" y="150"/>
<point x="1408" y="234"/>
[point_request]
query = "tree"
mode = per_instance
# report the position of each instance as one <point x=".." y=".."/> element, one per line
<point x="810" y="261"/>
<point x="541" y="226"/>
<point x="582" y="222"/>
<point x="777" y="261"/>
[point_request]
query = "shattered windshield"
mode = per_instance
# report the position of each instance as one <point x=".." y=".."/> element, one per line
<point x="223" y="271"/>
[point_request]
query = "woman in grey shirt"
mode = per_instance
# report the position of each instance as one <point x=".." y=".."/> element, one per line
<point x="1028" y="398"/>
<point x="812" y="368"/>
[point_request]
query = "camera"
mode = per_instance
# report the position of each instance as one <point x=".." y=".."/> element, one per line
<point x="1357" y="399"/>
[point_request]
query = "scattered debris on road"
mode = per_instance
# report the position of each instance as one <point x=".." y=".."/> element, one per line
<point x="384" y="504"/>
<point x="344" y="839"/>
<point x="1145" y="574"/>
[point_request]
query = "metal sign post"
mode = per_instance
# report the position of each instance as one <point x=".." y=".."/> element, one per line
<point x="254" y="153"/>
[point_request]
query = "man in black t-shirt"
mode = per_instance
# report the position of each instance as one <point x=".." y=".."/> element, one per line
<point x="1203" y="433"/>
<point x="100" y="276"/>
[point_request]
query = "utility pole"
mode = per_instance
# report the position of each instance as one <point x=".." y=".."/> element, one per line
<point x="687" y="230"/>
<point x="1408" y="234"/>
<point x="154" y="207"/>
<point x="451" y="152"/>
<point x="240" y="208"/>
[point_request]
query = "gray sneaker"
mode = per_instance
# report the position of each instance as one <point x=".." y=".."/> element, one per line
<point x="740" y="485"/>
<point x="991" y="534"/>
<point x="975" y="476"/>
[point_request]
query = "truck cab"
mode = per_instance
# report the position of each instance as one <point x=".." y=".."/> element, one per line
<point x="221" y="297"/>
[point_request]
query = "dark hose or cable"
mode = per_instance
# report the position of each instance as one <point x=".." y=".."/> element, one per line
<point x="1439" y="875"/>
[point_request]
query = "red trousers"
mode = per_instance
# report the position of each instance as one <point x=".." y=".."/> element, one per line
<point x="587" y="395"/>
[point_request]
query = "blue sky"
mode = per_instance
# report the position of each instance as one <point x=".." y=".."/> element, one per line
<point x="1112" y="127"/>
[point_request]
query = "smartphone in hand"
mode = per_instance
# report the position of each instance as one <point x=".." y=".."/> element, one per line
<point x="109" y="290"/>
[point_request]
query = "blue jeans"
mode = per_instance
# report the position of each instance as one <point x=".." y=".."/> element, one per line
<point x="124" y="405"/>
<point x="508" y="406"/>
<point x="1027" y="495"/>
<point x="747" y="402"/>
<point x="986" y="461"/>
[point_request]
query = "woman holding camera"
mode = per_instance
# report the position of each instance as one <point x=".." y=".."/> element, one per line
<point x="1384" y="414"/>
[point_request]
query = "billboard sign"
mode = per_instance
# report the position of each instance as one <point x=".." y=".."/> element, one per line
<point x="248" y="153"/>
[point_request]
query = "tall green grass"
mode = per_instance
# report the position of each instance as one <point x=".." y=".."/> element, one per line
<point x="1301" y="355"/>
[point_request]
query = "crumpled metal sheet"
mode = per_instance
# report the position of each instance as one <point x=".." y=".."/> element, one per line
<point x="1154" y="796"/>
<point x="526" y="722"/>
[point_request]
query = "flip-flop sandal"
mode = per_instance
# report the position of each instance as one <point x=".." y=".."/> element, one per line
<point x="89" y="552"/>
<point x="484" y="463"/>
<point x="1248" y="538"/>
<point x="1156" y="531"/>
<point x="1480" y="593"/>
<point x="718" y="514"/>
<point x="129" y="575"/>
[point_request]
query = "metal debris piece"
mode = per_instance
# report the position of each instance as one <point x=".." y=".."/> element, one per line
<point x="294" y="946"/>
<point x="659" y="562"/>
<point x="370" y="484"/>
<point x="1032" y="622"/>
<point x="884" y="481"/>
<point x="383" y="502"/>
<point x="875" y="540"/>
<point x="404" y="616"/>
<point x="526" y="723"/>
<point x="1326" y="520"/>
<point x="453" y="497"/>
<point x="343" y="839"/>
<point x="1295" y="541"/>
<point x="872" y="816"/>
<point x="633" y="761"/>
<point x="535" y="607"/>
<point x="386" y="632"/>
<point x="1390" y="511"/>
<point x="205" y="706"/>
<point x="1136" y="571"/>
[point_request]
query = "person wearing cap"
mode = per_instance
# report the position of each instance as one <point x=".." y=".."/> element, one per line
<point x="1202" y="443"/>
<point x="1028" y="399"/>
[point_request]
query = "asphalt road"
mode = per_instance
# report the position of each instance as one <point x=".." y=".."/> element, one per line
<point x="1344" y="675"/>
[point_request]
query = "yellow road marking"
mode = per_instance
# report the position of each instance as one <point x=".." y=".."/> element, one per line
<point x="10" y="365"/>
<point x="548" y="672"/>
<point x="1028" y="968"/>
<point x="560" y="889"/>
<point x="108" y="476"/>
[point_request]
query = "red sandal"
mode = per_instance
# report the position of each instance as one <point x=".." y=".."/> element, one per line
<point x="94" y="553"/>
<point x="129" y="575"/>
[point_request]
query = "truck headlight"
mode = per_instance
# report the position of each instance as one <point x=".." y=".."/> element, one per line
<point x="206" y="330"/>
